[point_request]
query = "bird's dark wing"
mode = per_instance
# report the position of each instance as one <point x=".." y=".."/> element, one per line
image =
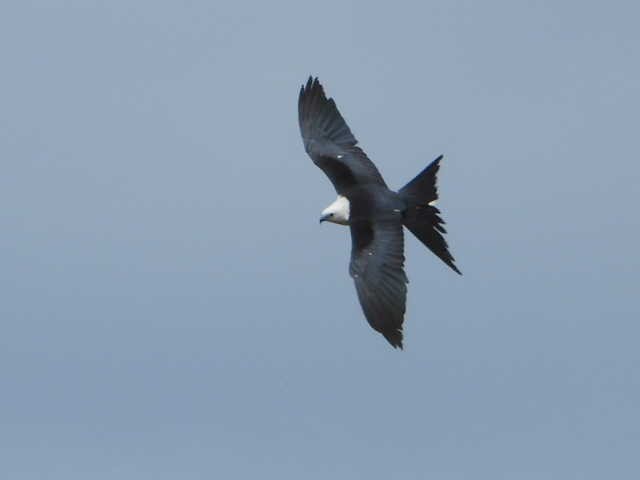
<point x="377" y="260"/>
<point x="329" y="141"/>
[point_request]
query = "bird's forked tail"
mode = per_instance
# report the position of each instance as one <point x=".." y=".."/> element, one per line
<point x="421" y="217"/>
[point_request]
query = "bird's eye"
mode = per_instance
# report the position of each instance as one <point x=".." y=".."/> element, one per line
<point x="331" y="214"/>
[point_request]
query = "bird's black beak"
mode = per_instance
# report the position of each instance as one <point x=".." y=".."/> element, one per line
<point x="324" y="218"/>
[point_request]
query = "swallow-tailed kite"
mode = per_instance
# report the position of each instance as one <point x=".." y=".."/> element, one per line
<point x="374" y="213"/>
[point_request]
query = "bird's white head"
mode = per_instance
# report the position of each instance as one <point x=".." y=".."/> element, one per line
<point x="337" y="212"/>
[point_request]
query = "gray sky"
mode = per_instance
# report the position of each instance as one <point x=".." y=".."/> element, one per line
<point x="170" y="307"/>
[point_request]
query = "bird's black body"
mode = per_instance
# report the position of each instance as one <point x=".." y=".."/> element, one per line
<point x="377" y="214"/>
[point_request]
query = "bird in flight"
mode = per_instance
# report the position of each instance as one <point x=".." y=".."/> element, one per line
<point x="374" y="213"/>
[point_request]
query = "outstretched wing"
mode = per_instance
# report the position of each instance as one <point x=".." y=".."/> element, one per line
<point x="329" y="141"/>
<point x="377" y="261"/>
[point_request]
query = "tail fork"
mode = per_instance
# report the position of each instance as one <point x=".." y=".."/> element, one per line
<point x="421" y="217"/>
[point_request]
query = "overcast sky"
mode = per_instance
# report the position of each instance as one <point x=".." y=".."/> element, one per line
<point x="170" y="307"/>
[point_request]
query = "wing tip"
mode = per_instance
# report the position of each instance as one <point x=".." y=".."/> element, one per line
<point x="312" y="84"/>
<point x="394" y="337"/>
<point x="319" y="117"/>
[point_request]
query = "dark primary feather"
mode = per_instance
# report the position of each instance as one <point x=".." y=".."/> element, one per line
<point x="330" y="143"/>
<point x="377" y="261"/>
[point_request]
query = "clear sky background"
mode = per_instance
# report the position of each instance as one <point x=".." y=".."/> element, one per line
<point x="170" y="307"/>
